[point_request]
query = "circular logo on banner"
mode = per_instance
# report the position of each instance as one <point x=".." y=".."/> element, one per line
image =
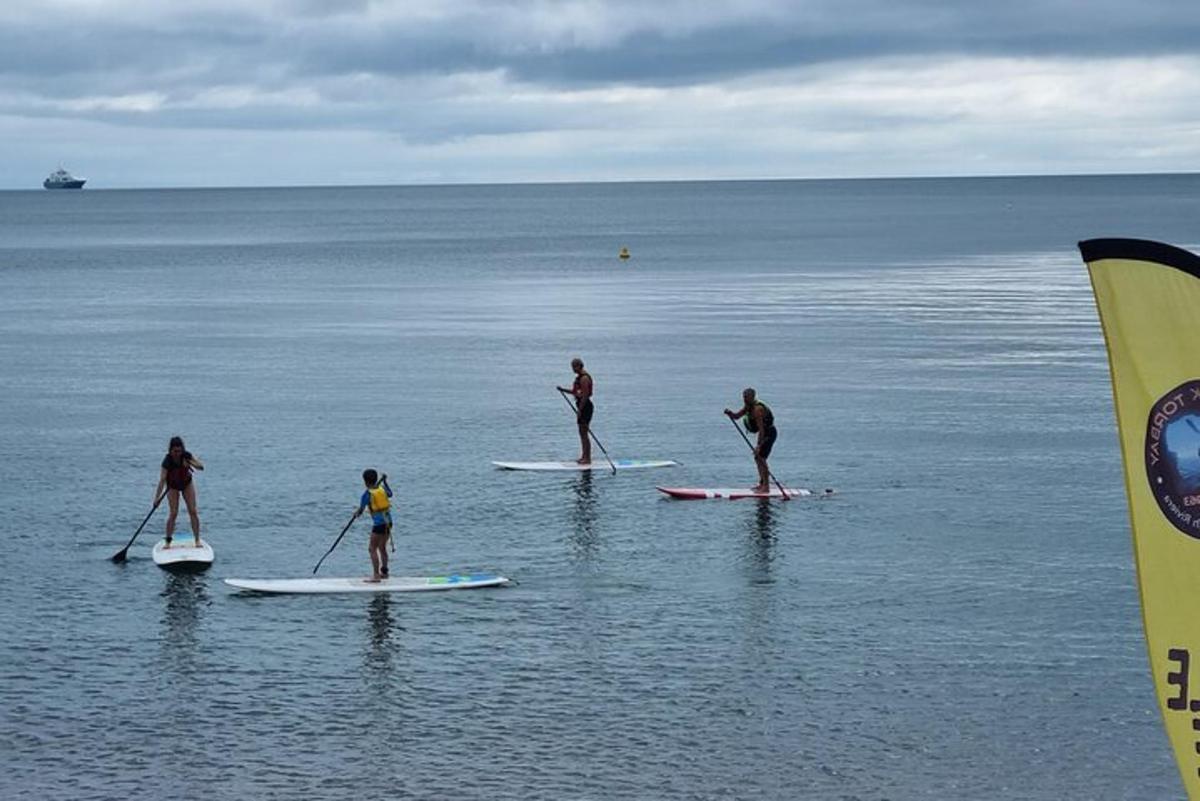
<point x="1173" y="456"/>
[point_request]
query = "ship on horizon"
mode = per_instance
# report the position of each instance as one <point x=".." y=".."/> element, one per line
<point x="61" y="179"/>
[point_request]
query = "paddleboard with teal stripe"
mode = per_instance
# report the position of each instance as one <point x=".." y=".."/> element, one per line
<point x="183" y="554"/>
<point x="327" y="586"/>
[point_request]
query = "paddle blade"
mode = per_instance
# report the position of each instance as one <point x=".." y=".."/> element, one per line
<point x="119" y="556"/>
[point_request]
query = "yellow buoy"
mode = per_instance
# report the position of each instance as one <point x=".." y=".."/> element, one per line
<point x="624" y="254"/>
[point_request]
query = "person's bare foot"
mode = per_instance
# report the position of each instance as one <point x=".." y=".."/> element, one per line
<point x="583" y="461"/>
<point x="198" y="545"/>
<point x="372" y="580"/>
<point x="762" y="489"/>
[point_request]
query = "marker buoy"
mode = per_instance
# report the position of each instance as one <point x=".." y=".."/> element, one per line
<point x="624" y="254"/>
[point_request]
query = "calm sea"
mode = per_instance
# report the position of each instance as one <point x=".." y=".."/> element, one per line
<point x="960" y="621"/>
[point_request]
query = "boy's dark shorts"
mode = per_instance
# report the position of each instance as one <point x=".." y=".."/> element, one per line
<point x="768" y="442"/>
<point x="586" y="410"/>
<point x="379" y="528"/>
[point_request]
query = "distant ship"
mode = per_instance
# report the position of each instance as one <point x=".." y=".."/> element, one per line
<point x="61" y="179"/>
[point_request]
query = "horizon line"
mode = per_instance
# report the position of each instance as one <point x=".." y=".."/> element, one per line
<point x="613" y="182"/>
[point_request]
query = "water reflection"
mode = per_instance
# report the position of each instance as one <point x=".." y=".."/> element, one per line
<point x="760" y="544"/>
<point x="186" y="596"/>
<point x="583" y="518"/>
<point x="380" y="629"/>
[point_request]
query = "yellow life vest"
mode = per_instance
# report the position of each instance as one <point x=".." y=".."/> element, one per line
<point x="379" y="499"/>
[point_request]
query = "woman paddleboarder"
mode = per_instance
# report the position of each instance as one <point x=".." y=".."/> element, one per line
<point x="176" y="475"/>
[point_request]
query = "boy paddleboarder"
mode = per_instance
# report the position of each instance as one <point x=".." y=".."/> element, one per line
<point x="377" y="498"/>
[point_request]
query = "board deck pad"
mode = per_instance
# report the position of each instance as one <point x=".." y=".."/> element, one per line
<point x="602" y="464"/>
<point x="732" y="493"/>
<point x="183" y="554"/>
<point x="328" y="586"/>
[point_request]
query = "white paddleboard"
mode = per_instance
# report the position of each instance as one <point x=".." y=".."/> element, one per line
<point x="620" y="464"/>
<point x="325" y="586"/>
<point x="183" y="554"/>
<point x="732" y="493"/>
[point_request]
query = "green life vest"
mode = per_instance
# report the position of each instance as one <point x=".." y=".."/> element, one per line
<point x="768" y="417"/>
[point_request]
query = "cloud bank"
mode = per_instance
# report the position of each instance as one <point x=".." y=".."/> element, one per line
<point x="213" y="92"/>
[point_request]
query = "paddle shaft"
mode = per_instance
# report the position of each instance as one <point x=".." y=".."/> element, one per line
<point x="786" y="496"/>
<point x="119" y="556"/>
<point x="591" y="433"/>
<point x="344" y="530"/>
<point x="335" y="542"/>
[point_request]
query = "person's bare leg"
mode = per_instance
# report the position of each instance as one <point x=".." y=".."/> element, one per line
<point x="172" y="513"/>
<point x="383" y="552"/>
<point x="764" y="484"/>
<point x="189" y="497"/>
<point x="374" y="579"/>
<point x="585" y="445"/>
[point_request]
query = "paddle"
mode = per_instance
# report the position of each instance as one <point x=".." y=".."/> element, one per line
<point x="784" y="492"/>
<point x="344" y="530"/>
<point x="335" y="542"/>
<point x="119" y="556"/>
<point x="591" y="433"/>
<point x="391" y="539"/>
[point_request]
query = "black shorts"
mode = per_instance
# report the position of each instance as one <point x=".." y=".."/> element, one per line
<point x="586" y="410"/>
<point x="380" y="528"/>
<point x="768" y="442"/>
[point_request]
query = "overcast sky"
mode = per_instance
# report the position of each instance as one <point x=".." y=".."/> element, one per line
<point x="295" y="92"/>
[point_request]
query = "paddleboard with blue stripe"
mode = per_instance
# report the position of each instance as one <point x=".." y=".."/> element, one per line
<point x="328" y="586"/>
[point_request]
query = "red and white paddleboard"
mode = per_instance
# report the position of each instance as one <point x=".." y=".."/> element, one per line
<point x="732" y="493"/>
<point x="601" y="465"/>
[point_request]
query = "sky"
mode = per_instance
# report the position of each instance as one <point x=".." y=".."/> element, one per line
<point x="153" y="93"/>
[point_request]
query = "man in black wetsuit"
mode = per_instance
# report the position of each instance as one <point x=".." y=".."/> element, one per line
<point x="759" y="420"/>
<point x="581" y="390"/>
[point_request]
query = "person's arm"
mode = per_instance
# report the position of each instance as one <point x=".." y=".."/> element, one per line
<point x="162" y="479"/>
<point x="585" y="389"/>
<point x="735" y="415"/>
<point x="386" y="488"/>
<point x="759" y="415"/>
<point x="362" y="503"/>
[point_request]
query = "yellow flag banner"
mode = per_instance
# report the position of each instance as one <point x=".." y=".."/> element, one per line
<point x="1148" y="296"/>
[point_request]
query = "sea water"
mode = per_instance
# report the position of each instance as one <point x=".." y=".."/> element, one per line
<point x="959" y="621"/>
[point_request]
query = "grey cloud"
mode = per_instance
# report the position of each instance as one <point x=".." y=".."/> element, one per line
<point x="323" y="37"/>
<point x="318" y="42"/>
<point x="656" y="53"/>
